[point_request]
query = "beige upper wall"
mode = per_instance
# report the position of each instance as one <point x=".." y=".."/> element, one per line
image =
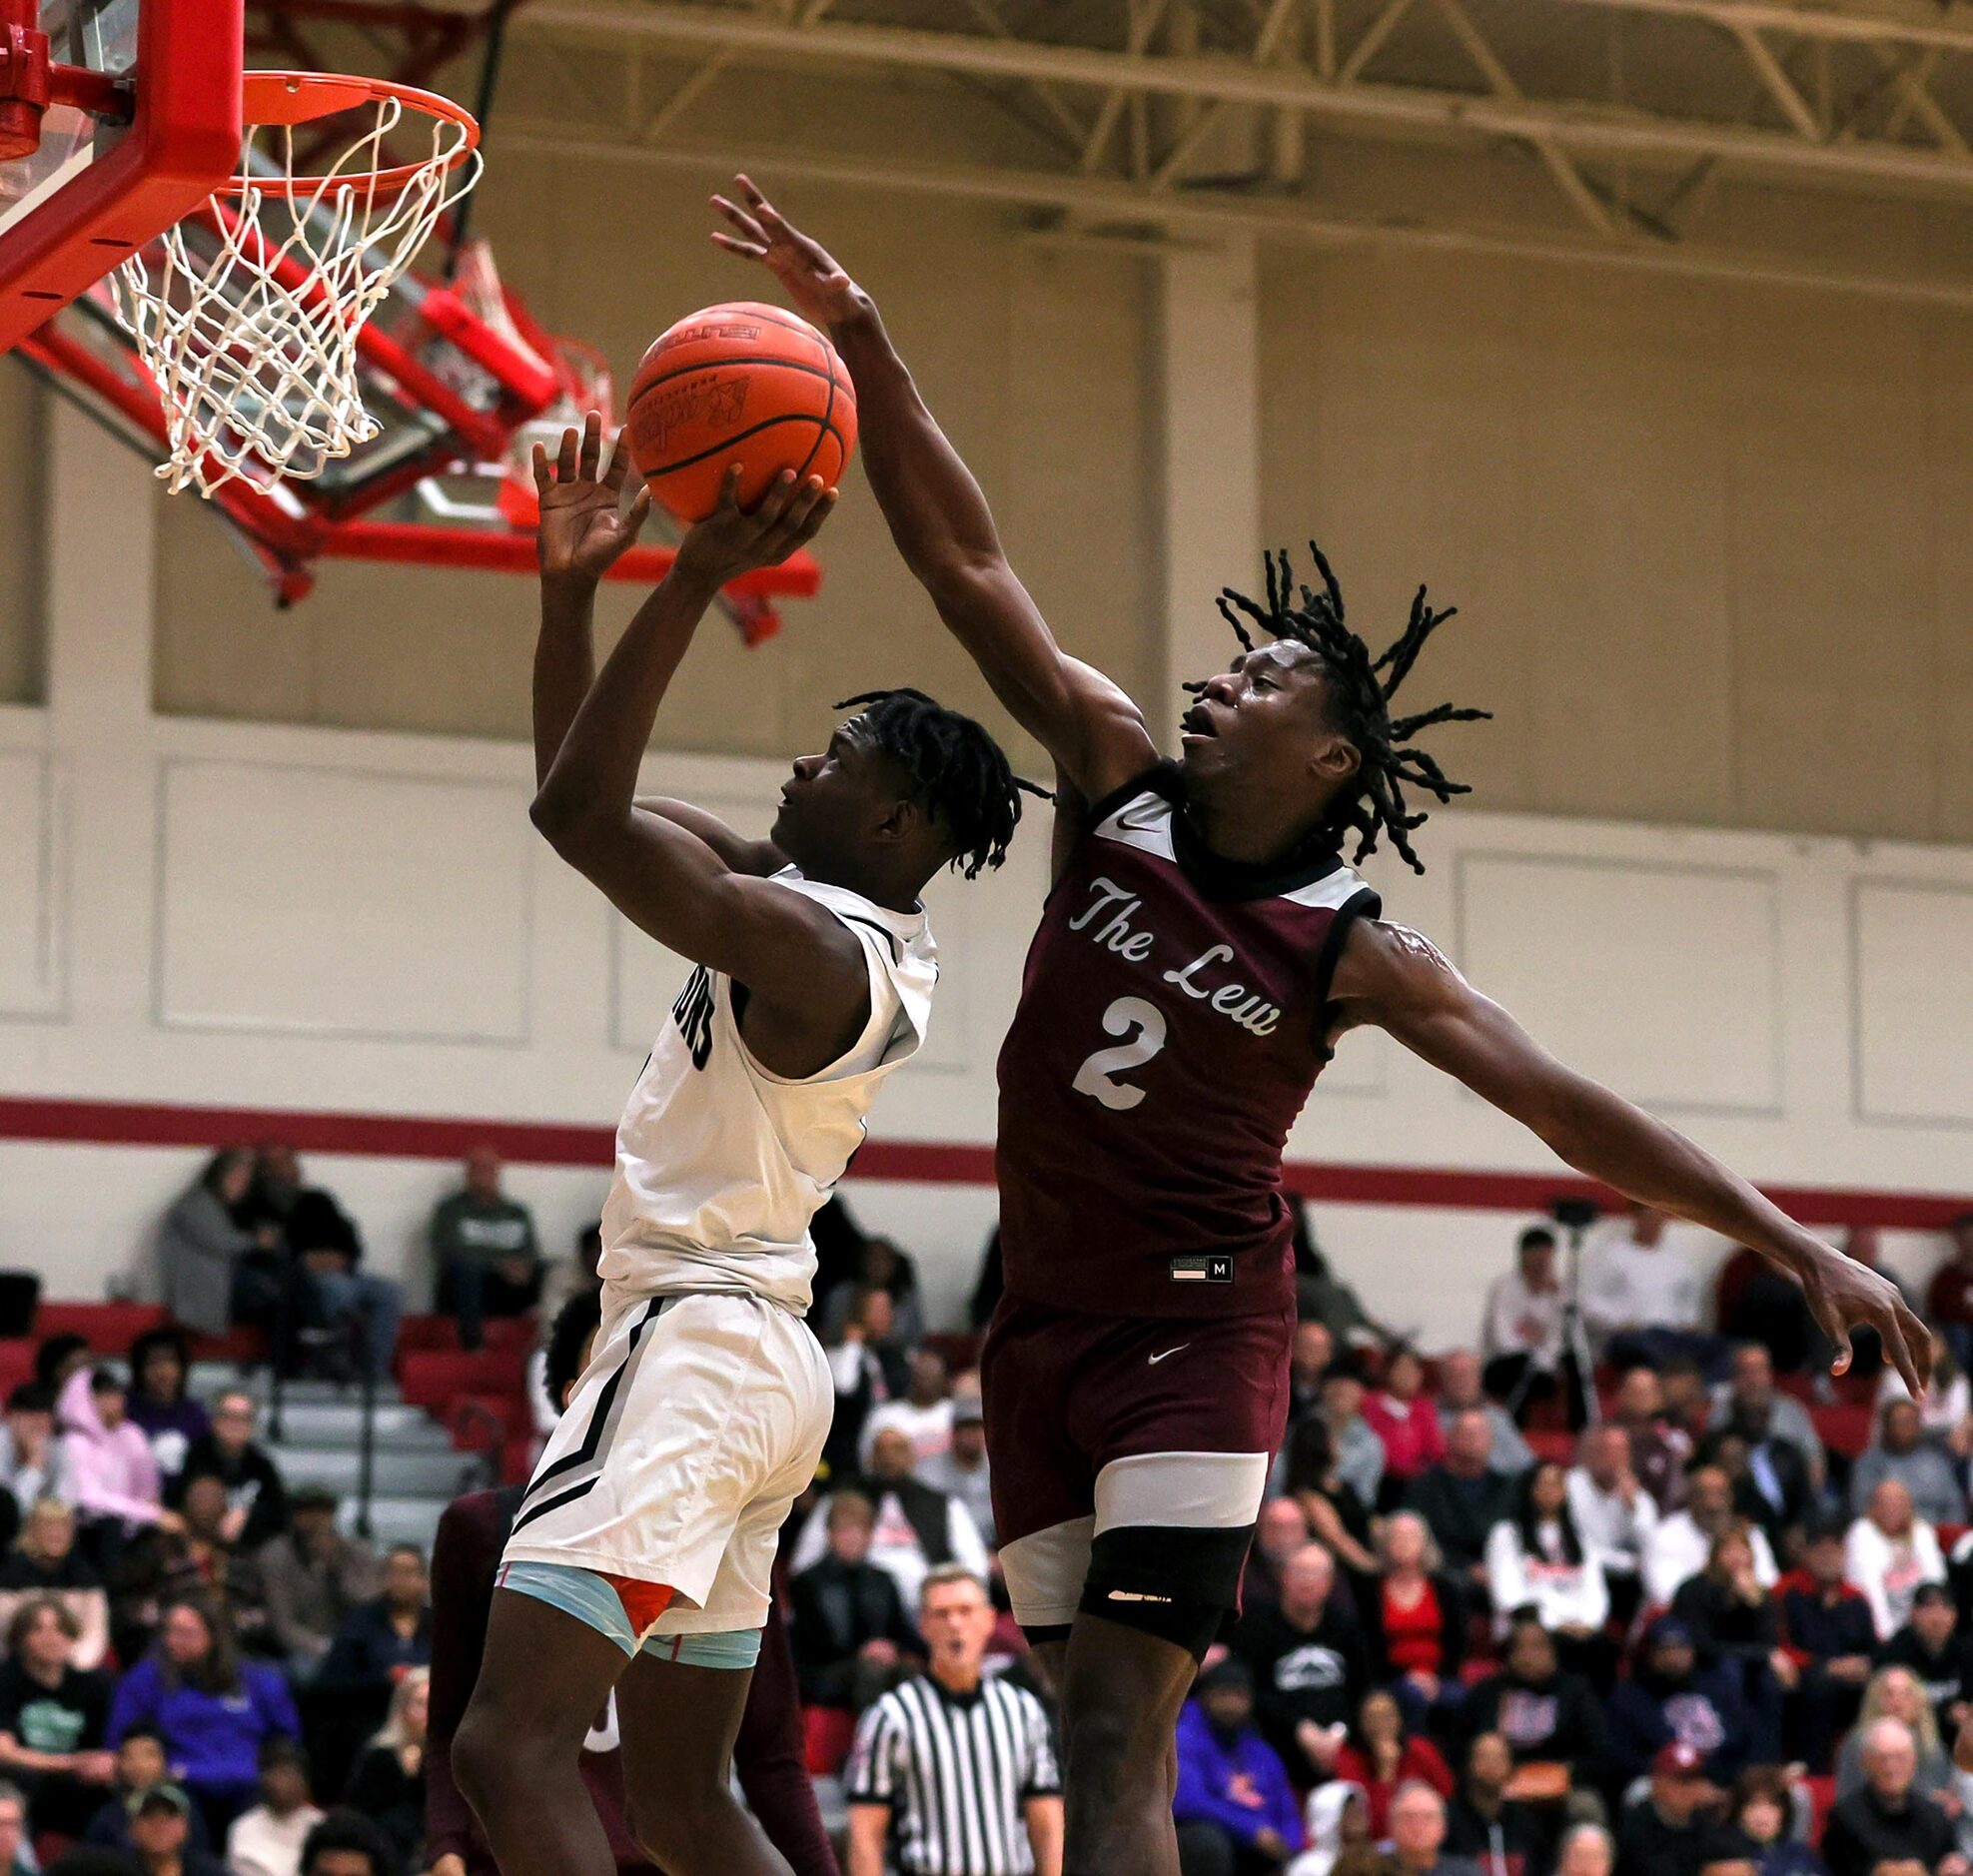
<point x="1037" y="357"/>
<point x="21" y="662"/>
<point x="1709" y="542"/>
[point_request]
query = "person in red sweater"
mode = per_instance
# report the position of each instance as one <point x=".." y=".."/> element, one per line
<point x="1406" y="1419"/>
<point x="1383" y="1753"/>
<point x="767" y="1754"/>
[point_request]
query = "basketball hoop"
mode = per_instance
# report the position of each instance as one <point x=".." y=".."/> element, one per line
<point x="248" y="313"/>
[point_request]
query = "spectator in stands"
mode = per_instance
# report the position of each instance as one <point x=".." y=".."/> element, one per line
<point x="106" y="1461"/>
<point x="880" y="1266"/>
<point x="917" y="1529"/>
<point x="1335" y="1831"/>
<point x="30" y="1466"/>
<point x="1234" y="1806"/>
<point x="950" y="1744"/>
<point x="387" y="1783"/>
<point x="214" y="1709"/>
<point x="1888" y="1820"/>
<point x="1416" y="1615"/>
<point x="1358" y="1451"/>
<point x="1827" y="1629"/>
<point x="141" y="1762"/>
<point x="345" y="1843"/>
<point x="1338" y="1518"/>
<point x="256" y="1497"/>
<point x="44" y="1563"/>
<point x="1755" y="1302"/>
<point x="57" y="1358"/>
<point x="1535" y="1559"/>
<point x="867" y="1369"/>
<point x="1749" y="1403"/>
<point x="1735" y="1621"/>
<point x="1938" y="1655"/>
<point x="383" y="1638"/>
<point x="1768" y="1481"/>
<point x="329" y="1251"/>
<point x="1522" y="1332"/>
<point x="161" y="1833"/>
<point x="1671" y="1699"/>
<point x="1417" y="1834"/>
<point x="961" y="1470"/>
<point x="924" y="1415"/>
<point x="1308" y="1669"/>
<point x="1553" y="1722"/>
<point x="1890" y="1550"/>
<point x="850" y="1629"/>
<point x="1948" y="1401"/>
<point x="1688" y="1403"/>
<point x="1490" y="1826"/>
<point x="1666" y="1832"/>
<point x="1759" y="1816"/>
<point x="268" y="1840"/>
<point x="485" y="1251"/>
<point x="1462" y="1390"/>
<point x="158" y="1405"/>
<point x="1462" y="1497"/>
<point x="53" y="1716"/>
<point x="163" y="1563"/>
<point x="1896" y="1693"/>
<point x="1901" y="1452"/>
<point x="1381" y="1754"/>
<point x="1655" y="1457"/>
<point x="1323" y="1297"/>
<point x="1615" y="1516"/>
<point x="1640" y="1295"/>
<point x="1309" y="1358"/>
<point x="1949" y="1299"/>
<point x="1280" y="1530"/>
<point x="207" y="1256"/>
<point x="315" y="1577"/>
<point x="1404" y="1417"/>
<point x="1682" y="1544"/>
<point x="1586" y="1850"/>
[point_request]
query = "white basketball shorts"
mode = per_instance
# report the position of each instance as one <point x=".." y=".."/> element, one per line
<point x="697" y="1423"/>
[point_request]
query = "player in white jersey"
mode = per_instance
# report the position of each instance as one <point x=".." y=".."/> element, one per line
<point x="639" y="1559"/>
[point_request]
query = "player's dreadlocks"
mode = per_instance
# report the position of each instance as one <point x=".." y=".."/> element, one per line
<point x="957" y="771"/>
<point x="1360" y="692"/>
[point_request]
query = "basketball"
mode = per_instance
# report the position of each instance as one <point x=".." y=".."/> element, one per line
<point x="741" y="383"/>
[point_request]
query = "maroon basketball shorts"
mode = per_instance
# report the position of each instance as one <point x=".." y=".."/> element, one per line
<point x="1130" y="1457"/>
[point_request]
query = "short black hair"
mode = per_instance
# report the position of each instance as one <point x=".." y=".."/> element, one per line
<point x="1360" y="691"/>
<point x="278" y="1749"/>
<point x="954" y="770"/>
<point x="574" y="1323"/>
<point x="1536" y="1235"/>
<point x="145" y="1732"/>
<point x="343" y="1829"/>
<point x="32" y="1396"/>
<point x="54" y="1351"/>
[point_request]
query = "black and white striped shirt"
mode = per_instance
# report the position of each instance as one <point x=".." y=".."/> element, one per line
<point x="956" y="1773"/>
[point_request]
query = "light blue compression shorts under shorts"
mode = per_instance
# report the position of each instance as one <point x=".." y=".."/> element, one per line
<point x="592" y="1600"/>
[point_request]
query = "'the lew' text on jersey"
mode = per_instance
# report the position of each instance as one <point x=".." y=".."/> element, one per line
<point x="1171" y="1022"/>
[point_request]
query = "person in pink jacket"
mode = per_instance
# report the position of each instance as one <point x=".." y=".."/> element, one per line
<point x="108" y="1463"/>
<point x="1406" y="1419"/>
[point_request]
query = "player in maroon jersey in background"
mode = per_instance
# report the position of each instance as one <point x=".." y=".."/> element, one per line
<point x="1202" y="948"/>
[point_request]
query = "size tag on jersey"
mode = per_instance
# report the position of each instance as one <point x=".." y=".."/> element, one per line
<point x="1202" y="1270"/>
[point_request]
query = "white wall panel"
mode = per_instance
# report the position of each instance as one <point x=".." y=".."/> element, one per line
<point x="342" y="904"/>
<point x="31" y="951"/>
<point x="1914" y="1002"/>
<point x="1663" y="981"/>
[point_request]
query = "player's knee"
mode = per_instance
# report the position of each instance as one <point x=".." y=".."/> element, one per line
<point x="490" y="1759"/>
<point x="668" y="1825"/>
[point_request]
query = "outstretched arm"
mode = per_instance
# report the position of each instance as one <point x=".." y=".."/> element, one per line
<point x="941" y="521"/>
<point x="584" y="528"/>
<point x="1402" y="984"/>
<point x="805" y="971"/>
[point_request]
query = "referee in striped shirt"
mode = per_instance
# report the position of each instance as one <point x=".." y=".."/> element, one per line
<point x="954" y="1773"/>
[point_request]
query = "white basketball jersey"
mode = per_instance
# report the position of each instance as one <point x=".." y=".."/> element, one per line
<point x="721" y="1164"/>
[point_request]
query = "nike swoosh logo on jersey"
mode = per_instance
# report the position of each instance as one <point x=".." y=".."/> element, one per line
<point x="1156" y="1359"/>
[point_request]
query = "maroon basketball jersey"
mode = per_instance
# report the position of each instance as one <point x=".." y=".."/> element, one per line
<point x="1171" y="1022"/>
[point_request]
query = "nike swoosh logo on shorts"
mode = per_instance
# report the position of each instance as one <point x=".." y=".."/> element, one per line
<point x="1156" y="1359"/>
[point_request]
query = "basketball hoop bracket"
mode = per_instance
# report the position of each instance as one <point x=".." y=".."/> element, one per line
<point x="30" y="81"/>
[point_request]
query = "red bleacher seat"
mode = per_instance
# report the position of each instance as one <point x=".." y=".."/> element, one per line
<point x="108" y="1328"/>
<point x="16" y="1363"/>
<point x="430" y="1378"/>
<point x="247" y="1347"/>
<point x="828" y="1733"/>
<point x="1843" y="1425"/>
<point x="1549" y="1443"/>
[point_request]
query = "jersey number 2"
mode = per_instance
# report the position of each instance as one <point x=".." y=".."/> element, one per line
<point x="1144" y="1023"/>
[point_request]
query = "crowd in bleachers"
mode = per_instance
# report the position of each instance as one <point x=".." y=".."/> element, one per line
<point x="1648" y="1593"/>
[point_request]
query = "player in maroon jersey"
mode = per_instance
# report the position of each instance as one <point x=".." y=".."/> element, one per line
<point x="1204" y="946"/>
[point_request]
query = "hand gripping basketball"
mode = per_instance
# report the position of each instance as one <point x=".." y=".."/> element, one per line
<point x="734" y="539"/>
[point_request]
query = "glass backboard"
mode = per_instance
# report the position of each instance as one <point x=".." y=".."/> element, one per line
<point x="93" y="189"/>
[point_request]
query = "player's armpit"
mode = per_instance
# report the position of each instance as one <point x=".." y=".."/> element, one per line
<point x="762" y="858"/>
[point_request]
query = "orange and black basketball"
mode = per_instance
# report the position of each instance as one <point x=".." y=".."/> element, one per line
<point x="741" y="383"/>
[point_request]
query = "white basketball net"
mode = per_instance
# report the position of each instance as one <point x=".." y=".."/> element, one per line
<point x="247" y="313"/>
